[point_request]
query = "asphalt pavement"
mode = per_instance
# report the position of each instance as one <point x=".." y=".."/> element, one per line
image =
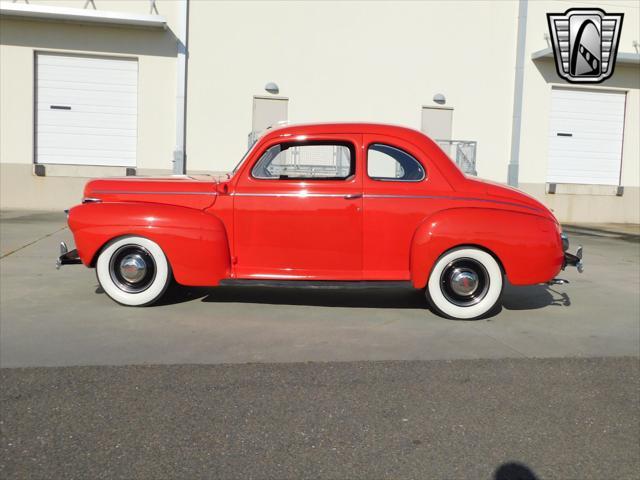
<point x="472" y="419"/>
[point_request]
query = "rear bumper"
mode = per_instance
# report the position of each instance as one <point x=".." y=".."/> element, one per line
<point x="571" y="259"/>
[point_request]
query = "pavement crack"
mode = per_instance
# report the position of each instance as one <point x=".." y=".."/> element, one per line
<point x="31" y="243"/>
<point x="522" y="354"/>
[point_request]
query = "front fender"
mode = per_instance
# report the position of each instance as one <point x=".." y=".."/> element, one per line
<point x="528" y="246"/>
<point x="194" y="242"/>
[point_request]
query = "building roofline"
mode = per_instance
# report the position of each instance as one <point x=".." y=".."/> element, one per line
<point x="623" y="58"/>
<point x="78" y="15"/>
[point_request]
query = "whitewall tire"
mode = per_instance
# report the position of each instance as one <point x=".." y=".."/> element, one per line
<point x="465" y="283"/>
<point x="133" y="271"/>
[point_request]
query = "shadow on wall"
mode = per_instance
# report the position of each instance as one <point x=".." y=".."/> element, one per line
<point x="514" y="471"/>
<point x="515" y="298"/>
<point x="110" y="40"/>
<point x="625" y="76"/>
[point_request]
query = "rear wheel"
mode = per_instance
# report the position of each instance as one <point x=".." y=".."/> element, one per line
<point x="133" y="271"/>
<point x="466" y="283"/>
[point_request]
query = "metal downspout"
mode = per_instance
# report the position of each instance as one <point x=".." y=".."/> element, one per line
<point x="516" y="125"/>
<point x="179" y="154"/>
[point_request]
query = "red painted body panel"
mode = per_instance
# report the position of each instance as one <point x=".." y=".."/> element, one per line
<point x="195" y="243"/>
<point x="303" y="229"/>
<point x="182" y="191"/>
<point x="242" y="227"/>
<point x="527" y="246"/>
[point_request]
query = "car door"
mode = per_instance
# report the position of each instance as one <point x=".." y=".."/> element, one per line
<point x="401" y="189"/>
<point x="298" y="210"/>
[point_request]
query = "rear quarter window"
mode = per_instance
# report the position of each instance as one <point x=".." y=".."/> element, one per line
<point x="388" y="163"/>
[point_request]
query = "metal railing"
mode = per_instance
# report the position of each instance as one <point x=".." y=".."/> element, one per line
<point x="462" y="152"/>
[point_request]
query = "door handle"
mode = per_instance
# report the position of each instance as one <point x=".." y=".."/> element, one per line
<point x="352" y="196"/>
<point x="560" y="134"/>
<point x="59" y="107"/>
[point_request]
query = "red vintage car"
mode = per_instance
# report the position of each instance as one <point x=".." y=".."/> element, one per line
<point x="339" y="205"/>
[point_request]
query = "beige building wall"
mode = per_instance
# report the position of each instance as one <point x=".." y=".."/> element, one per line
<point x="579" y="203"/>
<point x="155" y="50"/>
<point x="351" y="60"/>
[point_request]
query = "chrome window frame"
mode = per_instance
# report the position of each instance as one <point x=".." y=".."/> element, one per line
<point x="344" y="143"/>
<point x="389" y="179"/>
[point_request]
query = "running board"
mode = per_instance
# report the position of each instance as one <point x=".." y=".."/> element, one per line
<point x="325" y="284"/>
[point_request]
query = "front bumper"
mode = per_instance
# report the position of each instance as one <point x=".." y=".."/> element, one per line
<point x="67" y="257"/>
<point x="570" y="259"/>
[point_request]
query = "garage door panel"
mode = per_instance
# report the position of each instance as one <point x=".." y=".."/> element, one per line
<point x="97" y="124"/>
<point x="577" y="164"/>
<point x="581" y="134"/>
<point x="78" y="119"/>
<point x="572" y="177"/>
<point x="97" y="109"/>
<point x="87" y="159"/>
<point x="84" y="130"/>
<point x="86" y="97"/>
<point x="586" y="95"/>
<point x="574" y="170"/>
<point x="70" y="86"/>
<point x="96" y="141"/>
<point x="78" y="152"/>
<point x="589" y="147"/>
<point x="581" y="118"/>
<point x="604" y="111"/>
<point x="105" y="63"/>
<point x="86" y="75"/>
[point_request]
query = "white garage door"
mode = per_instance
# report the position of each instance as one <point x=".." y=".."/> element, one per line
<point x="585" y="136"/>
<point x="86" y="112"/>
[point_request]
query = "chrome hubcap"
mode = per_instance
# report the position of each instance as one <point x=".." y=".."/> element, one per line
<point x="133" y="268"/>
<point x="464" y="282"/>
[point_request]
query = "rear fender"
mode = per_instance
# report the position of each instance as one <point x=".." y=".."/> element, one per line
<point x="528" y="247"/>
<point x="194" y="242"/>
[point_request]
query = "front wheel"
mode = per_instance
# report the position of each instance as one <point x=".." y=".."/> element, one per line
<point x="465" y="283"/>
<point x="133" y="271"/>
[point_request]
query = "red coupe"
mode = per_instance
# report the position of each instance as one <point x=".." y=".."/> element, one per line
<point x="338" y="205"/>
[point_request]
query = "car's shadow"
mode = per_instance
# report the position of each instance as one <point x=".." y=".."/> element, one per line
<point x="532" y="297"/>
<point x="514" y="298"/>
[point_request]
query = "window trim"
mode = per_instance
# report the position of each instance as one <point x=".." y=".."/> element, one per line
<point x="388" y="179"/>
<point x="344" y="143"/>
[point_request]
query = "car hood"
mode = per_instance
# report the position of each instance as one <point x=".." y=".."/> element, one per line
<point x="189" y="191"/>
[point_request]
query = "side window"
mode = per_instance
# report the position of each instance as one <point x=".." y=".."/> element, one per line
<point x="313" y="161"/>
<point x="385" y="162"/>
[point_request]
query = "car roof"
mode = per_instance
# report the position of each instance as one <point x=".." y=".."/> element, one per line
<point x="343" y="127"/>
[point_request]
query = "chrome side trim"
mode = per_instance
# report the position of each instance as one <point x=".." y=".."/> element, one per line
<point x="91" y="200"/>
<point x="447" y="197"/>
<point x="376" y="196"/>
<point x="297" y="195"/>
<point x="134" y="192"/>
